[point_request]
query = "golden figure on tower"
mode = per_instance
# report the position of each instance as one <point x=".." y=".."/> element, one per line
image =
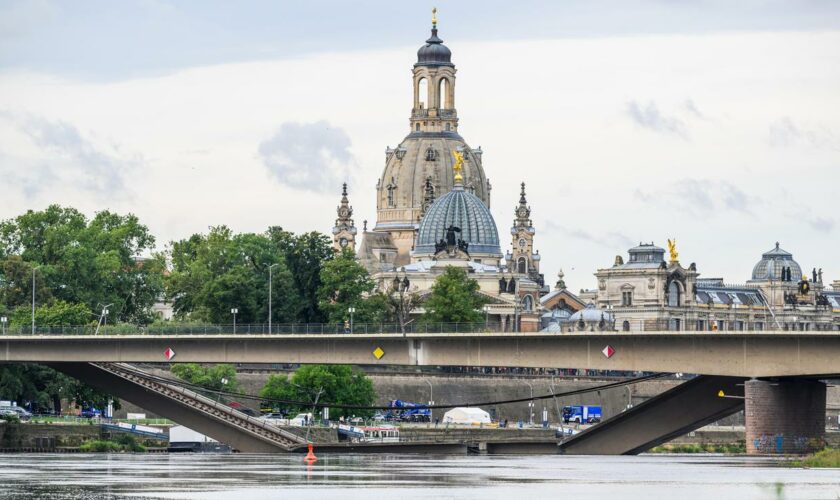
<point x="672" y="249"/>
<point x="459" y="164"/>
<point x="434" y="17"/>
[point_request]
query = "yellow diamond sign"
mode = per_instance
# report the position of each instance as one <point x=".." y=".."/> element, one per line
<point x="378" y="353"/>
<point x="721" y="394"/>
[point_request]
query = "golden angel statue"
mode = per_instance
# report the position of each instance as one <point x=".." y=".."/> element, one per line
<point x="459" y="164"/>
<point x="672" y="249"/>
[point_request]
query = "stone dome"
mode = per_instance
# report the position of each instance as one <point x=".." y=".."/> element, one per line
<point x="434" y="53"/>
<point x="771" y="264"/>
<point x="591" y="314"/>
<point x="465" y="211"/>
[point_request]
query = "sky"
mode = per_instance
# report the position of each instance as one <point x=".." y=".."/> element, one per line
<point x="712" y="122"/>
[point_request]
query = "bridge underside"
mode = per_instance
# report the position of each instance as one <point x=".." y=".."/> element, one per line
<point x="671" y="414"/>
<point x="223" y="424"/>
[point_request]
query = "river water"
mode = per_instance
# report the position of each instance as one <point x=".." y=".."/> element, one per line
<point x="242" y="477"/>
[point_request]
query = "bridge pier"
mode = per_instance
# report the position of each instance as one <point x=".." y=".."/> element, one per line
<point x="785" y="416"/>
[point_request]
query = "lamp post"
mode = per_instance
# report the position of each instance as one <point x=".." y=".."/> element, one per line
<point x="486" y="316"/>
<point x="431" y="399"/>
<point x="234" y="311"/>
<point x="531" y="405"/>
<point x="33" y="298"/>
<point x="351" y="310"/>
<point x="3" y="321"/>
<point x="269" y="296"/>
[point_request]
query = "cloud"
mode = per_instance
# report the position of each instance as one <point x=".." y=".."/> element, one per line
<point x="311" y="156"/>
<point x="786" y="133"/>
<point x="821" y="224"/>
<point x="691" y="108"/>
<point x="65" y="157"/>
<point x="700" y="196"/>
<point x="609" y="239"/>
<point x="651" y="118"/>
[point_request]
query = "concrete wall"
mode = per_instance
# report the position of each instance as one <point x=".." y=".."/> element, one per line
<point x="25" y="435"/>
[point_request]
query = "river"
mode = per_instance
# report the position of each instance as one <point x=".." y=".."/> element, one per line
<point x="250" y="477"/>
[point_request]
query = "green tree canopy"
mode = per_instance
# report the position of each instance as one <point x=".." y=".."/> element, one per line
<point x="454" y="298"/>
<point x="338" y="384"/>
<point x="55" y="313"/>
<point x="215" y="272"/>
<point x="207" y="376"/>
<point x="345" y="283"/>
<point x="80" y="261"/>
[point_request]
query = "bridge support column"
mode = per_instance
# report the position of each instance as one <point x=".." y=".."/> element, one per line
<point x="787" y="416"/>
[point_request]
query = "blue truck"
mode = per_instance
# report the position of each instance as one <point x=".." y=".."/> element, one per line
<point x="582" y="414"/>
<point x="404" y="411"/>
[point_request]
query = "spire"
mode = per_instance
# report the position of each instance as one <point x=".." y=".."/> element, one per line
<point x="344" y="231"/>
<point x="434" y="18"/>
<point x="522" y="199"/>
<point x="522" y="211"/>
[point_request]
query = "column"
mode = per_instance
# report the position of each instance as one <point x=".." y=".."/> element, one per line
<point x="786" y="416"/>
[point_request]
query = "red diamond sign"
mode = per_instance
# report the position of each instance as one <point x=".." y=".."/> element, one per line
<point x="608" y="351"/>
<point x="169" y="353"/>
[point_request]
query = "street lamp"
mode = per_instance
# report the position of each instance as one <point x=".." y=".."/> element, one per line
<point x="269" y="296"/>
<point x="351" y="310"/>
<point x="486" y="316"/>
<point x="33" y="298"/>
<point x="3" y="321"/>
<point x="234" y="311"/>
<point x="431" y="399"/>
<point x="531" y="405"/>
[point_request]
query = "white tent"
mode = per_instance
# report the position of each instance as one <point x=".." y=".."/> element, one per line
<point x="465" y="415"/>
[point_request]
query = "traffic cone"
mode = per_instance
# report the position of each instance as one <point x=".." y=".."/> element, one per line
<point x="310" y="455"/>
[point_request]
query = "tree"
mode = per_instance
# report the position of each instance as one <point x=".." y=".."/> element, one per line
<point x="210" y="377"/>
<point x="43" y="388"/>
<point x="454" y="298"/>
<point x="400" y="301"/>
<point x="56" y="313"/>
<point x="221" y="270"/>
<point x="91" y="262"/>
<point x="337" y="384"/>
<point x="345" y="283"/>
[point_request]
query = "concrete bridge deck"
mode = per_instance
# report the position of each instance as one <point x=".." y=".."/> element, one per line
<point x="741" y="354"/>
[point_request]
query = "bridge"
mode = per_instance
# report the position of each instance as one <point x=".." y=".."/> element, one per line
<point x="769" y="375"/>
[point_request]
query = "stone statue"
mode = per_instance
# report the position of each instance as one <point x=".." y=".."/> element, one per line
<point x="451" y="240"/>
<point x="814" y="275"/>
<point x="463" y="245"/>
<point x="819" y="274"/>
<point x="502" y="285"/>
<point x="440" y="245"/>
<point x="511" y="285"/>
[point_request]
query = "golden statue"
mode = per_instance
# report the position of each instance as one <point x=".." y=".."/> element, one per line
<point x="434" y="17"/>
<point x="672" y="249"/>
<point x="459" y="164"/>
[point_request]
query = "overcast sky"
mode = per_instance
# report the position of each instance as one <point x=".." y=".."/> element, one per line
<point x="715" y="123"/>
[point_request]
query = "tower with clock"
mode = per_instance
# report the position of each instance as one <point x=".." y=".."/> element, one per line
<point x="522" y="259"/>
<point x="344" y="231"/>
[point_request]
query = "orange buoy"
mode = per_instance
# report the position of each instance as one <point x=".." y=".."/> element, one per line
<point x="310" y="455"/>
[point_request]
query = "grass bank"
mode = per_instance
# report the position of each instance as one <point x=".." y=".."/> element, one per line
<point x="732" y="448"/>
<point x="119" y="444"/>
<point x="827" y="458"/>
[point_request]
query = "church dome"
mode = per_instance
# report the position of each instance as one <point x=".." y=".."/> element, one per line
<point x="591" y="314"/>
<point x="771" y="264"/>
<point x="465" y="211"/>
<point x="434" y="53"/>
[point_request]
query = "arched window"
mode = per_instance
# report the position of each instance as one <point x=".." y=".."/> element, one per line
<point x="528" y="303"/>
<point x="522" y="266"/>
<point x="448" y="127"/>
<point x="443" y="94"/>
<point x="422" y="93"/>
<point x="674" y="294"/>
<point x="417" y="127"/>
<point x="625" y="326"/>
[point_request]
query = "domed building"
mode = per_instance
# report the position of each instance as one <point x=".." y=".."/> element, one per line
<point x="471" y="218"/>
<point x="418" y="170"/>
<point x="777" y="264"/>
<point x="433" y="209"/>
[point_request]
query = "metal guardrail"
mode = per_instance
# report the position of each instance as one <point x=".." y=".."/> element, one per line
<point x="258" y="329"/>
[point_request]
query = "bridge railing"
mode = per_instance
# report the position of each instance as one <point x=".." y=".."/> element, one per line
<point x="257" y="329"/>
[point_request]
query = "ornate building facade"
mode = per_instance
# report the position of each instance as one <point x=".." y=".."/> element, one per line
<point x="433" y="208"/>
<point x="418" y="170"/>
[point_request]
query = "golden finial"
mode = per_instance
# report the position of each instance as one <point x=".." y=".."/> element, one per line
<point x="459" y="164"/>
<point x="434" y="17"/>
<point x="672" y="249"/>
